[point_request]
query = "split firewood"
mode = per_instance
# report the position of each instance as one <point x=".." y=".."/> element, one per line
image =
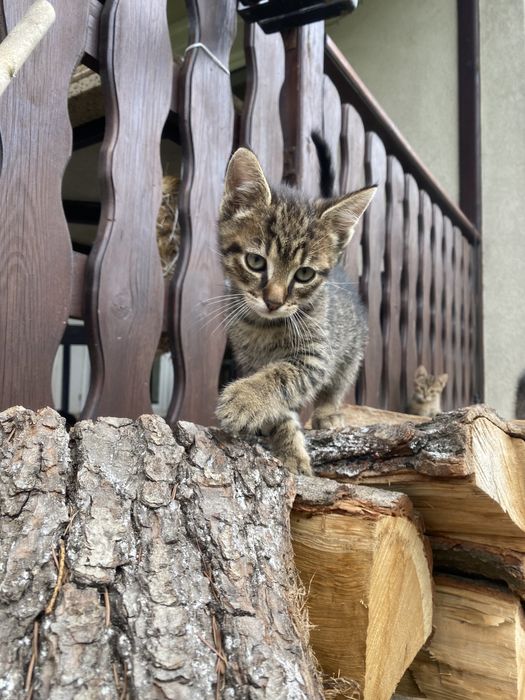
<point x="463" y="471"/>
<point x="85" y="99"/>
<point x="22" y="40"/>
<point x="178" y="578"/>
<point x="363" y="560"/>
<point x="478" y="646"/>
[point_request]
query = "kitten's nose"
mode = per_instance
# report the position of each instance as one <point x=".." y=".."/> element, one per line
<point x="272" y="304"/>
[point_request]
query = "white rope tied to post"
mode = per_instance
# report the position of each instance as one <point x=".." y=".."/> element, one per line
<point x="200" y="45"/>
<point x="22" y="40"/>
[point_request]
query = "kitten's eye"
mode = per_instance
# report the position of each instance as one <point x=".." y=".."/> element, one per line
<point x="255" y="262"/>
<point x="305" y="274"/>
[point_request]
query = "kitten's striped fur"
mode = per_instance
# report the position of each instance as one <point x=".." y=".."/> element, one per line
<point x="295" y="339"/>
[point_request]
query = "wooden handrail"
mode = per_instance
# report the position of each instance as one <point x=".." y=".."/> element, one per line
<point x="352" y="89"/>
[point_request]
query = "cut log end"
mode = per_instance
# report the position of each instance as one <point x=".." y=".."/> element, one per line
<point x="363" y="561"/>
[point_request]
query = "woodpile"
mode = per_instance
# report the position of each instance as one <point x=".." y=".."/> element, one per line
<point x="464" y="473"/>
<point x="137" y="561"/>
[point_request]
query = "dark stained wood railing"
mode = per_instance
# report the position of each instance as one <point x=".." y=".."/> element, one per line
<point x="414" y="257"/>
<point x="35" y="248"/>
<point x="124" y="287"/>
<point x="439" y="277"/>
<point x="206" y="123"/>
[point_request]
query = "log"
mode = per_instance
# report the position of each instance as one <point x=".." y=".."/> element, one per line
<point x="367" y="415"/>
<point x="174" y="573"/>
<point x="361" y="555"/>
<point x="34" y="466"/>
<point x="463" y="471"/>
<point x="478" y="646"/>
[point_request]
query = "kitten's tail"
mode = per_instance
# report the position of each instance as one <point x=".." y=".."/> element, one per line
<point x="325" y="165"/>
<point x="520" y="398"/>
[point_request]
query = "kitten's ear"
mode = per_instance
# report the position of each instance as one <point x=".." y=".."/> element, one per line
<point x="245" y="184"/>
<point x="442" y="380"/>
<point x="420" y="373"/>
<point x="346" y="212"/>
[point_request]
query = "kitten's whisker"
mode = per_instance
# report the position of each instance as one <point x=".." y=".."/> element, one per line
<point x="304" y="335"/>
<point x="218" y="302"/>
<point x="214" y="314"/>
<point x="226" y="304"/>
<point x="306" y="319"/>
<point x="238" y="317"/>
<point x="226" y="295"/>
<point x="230" y="317"/>
<point x="342" y="284"/>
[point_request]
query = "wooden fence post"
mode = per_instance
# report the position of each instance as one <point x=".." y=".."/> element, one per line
<point x="125" y="290"/>
<point x="35" y="247"/>
<point x="206" y="127"/>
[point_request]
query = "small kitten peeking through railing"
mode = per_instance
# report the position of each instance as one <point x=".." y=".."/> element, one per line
<point x="426" y="399"/>
<point x="295" y="322"/>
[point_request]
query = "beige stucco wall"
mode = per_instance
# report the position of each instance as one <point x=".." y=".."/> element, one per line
<point x="406" y="53"/>
<point x="502" y="26"/>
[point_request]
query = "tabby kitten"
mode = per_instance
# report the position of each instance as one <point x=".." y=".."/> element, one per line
<point x="520" y="398"/>
<point x="426" y="399"/>
<point x="296" y="325"/>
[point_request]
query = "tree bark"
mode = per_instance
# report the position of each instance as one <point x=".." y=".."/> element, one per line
<point x="175" y="578"/>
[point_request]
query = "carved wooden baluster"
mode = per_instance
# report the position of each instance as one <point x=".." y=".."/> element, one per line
<point x="448" y="236"/>
<point x="35" y="248"/>
<point x="392" y="351"/>
<point x="301" y="104"/>
<point x="353" y="178"/>
<point x="424" y="281"/>
<point x="332" y="126"/>
<point x="409" y="286"/>
<point x="206" y="126"/>
<point x="436" y="293"/>
<point x="458" y="317"/>
<point x="261" y="128"/>
<point x="124" y="280"/>
<point x="467" y="321"/>
<point x="371" y="282"/>
<point x="476" y="312"/>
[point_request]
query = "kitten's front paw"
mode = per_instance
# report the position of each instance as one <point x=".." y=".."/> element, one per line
<point x="298" y="463"/>
<point x="328" y="421"/>
<point x="237" y="408"/>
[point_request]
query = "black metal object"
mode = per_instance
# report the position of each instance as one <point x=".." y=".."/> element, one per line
<point x="469" y="97"/>
<point x="277" y="15"/>
<point x="469" y="110"/>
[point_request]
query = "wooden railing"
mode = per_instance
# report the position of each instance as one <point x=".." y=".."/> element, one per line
<point x="415" y="257"/>
<point x="420" y="250"/>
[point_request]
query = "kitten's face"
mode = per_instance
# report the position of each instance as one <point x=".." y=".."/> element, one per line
<point x="427" y="386"/>
<point x="278" y="248"/>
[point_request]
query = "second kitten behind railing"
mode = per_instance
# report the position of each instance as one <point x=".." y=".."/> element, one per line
<point x="426" y="399"/>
